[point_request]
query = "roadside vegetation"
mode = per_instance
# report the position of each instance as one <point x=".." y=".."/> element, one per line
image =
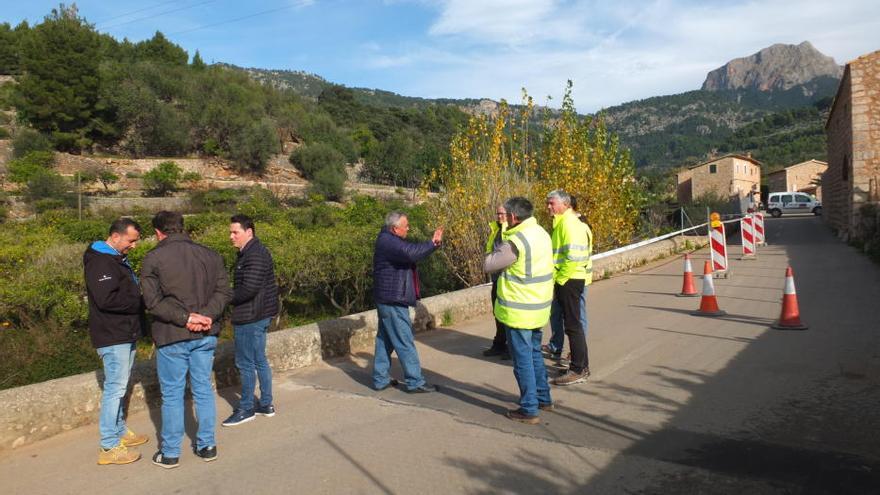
<point x="323" y="258"/>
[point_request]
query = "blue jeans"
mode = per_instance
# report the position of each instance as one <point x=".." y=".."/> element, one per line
<point x="174" y="361"/>
<point x="528" y="368"/>
<point x="250" y="359"/>
<point x="395" y="334"/>
<point x="557" y="329"/>
<point x="118" y="360"/>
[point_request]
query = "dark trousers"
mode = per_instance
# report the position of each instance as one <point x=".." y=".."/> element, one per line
<point x="500" y="340"/>
<point x="569" y="298"/>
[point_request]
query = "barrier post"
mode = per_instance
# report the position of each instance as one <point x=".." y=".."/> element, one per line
<point x="718" y="247"/>
<point x="759" y="229"/>
<point x="747" y="234"/>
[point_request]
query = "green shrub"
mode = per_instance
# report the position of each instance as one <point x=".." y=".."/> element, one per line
<point x="86" y="230"/>
<point x="4" y="134"/>
<point x="216" y="199"/>
<point x="49" y="204"/>
<point x="6" y="92"/>
<point x="191" y="177"/>
<point x="21" y="170"/>
<point x="252" y="147"/>
<point x="29" y="140"/>
<point x="261" y="204"/>
<point x="133" y="175"/>
<point x="162" y="180"/>
<point x="47" y="184"/>
<point x="330" y="183"/>
<point x="314" y="157"/>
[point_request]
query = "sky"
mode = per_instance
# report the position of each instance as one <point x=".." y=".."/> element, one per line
<point x="614" y="52"/>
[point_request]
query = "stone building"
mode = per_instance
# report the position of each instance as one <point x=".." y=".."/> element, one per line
<point x="853" y="133"/>
<point x="800" y="177"/>
<point x="729" y="176"/>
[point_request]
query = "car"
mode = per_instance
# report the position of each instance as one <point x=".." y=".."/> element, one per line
<point x="792" y="202"/>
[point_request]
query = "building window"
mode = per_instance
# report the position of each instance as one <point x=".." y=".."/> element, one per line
<point x="713" y="168"/>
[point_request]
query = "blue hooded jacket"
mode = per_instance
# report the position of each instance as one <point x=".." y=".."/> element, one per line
<point x="395" y="279"/>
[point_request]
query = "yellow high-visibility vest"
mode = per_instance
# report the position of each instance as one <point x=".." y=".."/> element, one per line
<point x="525" y="288"/>
<point x="494" y="231"/>
<point x="572" y="249"/>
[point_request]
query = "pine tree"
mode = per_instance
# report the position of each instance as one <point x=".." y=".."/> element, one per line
<point x="197" y="62"/>
<point x="58" y="90"/>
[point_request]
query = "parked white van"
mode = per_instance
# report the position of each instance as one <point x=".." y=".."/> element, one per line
<point x="792" y="202"/>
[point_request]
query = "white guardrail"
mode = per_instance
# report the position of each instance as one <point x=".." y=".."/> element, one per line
<point x="639" y="244"/>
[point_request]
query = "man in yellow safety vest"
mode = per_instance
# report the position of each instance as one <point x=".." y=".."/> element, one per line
<point x="522" y="304"/>
<point x="572" y="247"/>
<point x="496" y="228"/>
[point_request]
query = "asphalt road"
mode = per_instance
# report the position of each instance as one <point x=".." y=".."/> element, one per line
<point x="676" y="403"/>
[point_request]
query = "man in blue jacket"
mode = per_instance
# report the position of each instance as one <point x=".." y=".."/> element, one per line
<point x="115" y="325"/>
<point x="395" y="289"/>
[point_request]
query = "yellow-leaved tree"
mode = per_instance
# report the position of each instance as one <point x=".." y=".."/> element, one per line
<point x="583" y="158"/>
<point x="500" y="156"/>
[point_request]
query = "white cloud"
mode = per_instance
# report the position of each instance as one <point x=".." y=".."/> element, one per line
<point x="614" y="53"/>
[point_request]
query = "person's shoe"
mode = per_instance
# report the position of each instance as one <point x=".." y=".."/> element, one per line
<point x="571" y="378"/>
<point x="424" y="389"/>
<point x="160" y="460"/>
<point x="494" y="351"/>
<point x="207" y="454"/>
<point x="267" y="411"/>
<point x="548" y="351"/>
<point x="132" y="439"/>
<point x="392" y="383"/>
<point x="547" y="407"/>
<point x="517" y="415"/>
<point x="117" y="455"/>
<point x="238" y="417"/>
<point x="505" y="356"/>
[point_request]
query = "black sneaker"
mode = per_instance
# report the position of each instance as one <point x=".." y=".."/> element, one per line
<point x="160" y="460"/>
<point x="267" y="411"/>
<point x="494" y="351"/>
<point x="392" y="383"/>
<point x="207" y="454"/>
<point x="238" y="417"/>
<point x="424" y="389"/>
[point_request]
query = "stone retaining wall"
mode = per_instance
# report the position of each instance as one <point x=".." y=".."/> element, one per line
<point x="41" y="410"/>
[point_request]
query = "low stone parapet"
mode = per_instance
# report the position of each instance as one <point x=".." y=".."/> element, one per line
<point x="41" y="410"/>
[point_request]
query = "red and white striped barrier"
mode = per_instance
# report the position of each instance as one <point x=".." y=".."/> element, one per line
<point x="747" y="233"/>
<point x="759" y="230"/>
<point x="718" y="252"/>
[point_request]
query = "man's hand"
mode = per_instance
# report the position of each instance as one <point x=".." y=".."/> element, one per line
<point x="438" y="236"/>
<point x="198" y="323"/>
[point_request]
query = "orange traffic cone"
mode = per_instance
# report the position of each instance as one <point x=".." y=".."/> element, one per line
<point x="687" y="286"/>
<point x="790" y="318"/>
<point x="708" y="304"/>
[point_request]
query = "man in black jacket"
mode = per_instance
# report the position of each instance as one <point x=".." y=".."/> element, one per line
<point x="185" y="289"/>
<point x="115" y="310"/>
<point x="256" y="301"/>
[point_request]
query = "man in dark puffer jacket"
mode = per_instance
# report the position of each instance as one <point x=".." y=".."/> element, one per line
<point x="255" y="299"/>
<point x="115" y="325"/>
<point x="395" y="289"/>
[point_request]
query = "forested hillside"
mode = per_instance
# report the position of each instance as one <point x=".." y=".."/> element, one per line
<point x="88" y="92"/>
<point x="674" y="130"/>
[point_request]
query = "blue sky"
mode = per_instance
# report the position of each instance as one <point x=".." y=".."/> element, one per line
<point x="613" y="51"/>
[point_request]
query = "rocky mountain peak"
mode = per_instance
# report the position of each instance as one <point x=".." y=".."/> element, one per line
<point x="777" y="67"/>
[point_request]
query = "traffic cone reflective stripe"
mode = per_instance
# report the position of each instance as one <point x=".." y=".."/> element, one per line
<point x="789" y="318"/>
<point x="708" y="303"/>
<point x="688" y="289"/>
